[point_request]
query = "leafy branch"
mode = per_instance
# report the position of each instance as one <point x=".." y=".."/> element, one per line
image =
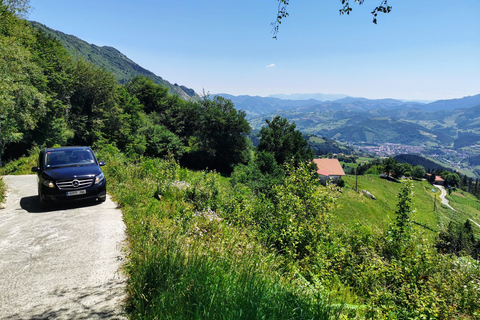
<point x="346" y="9"/>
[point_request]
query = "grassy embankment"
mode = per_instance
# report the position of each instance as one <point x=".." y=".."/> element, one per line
<point x="21" y="166"/>
<point x="184" y="262"/>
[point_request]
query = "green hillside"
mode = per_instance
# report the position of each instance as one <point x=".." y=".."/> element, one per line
<point x="112" y="60"/>
<point x="355" y="207"/>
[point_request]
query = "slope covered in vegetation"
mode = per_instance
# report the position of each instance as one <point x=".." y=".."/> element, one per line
<point x="112" y="60"/>
<point x="48" y="97"/>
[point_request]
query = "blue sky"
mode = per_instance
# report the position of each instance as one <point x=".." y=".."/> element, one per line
<point x="422" y="50"/>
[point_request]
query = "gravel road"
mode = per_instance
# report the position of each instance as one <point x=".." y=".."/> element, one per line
<point x="443" y="194"/>
<point x="62" y="261"/>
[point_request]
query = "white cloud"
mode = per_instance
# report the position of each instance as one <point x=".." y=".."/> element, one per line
<point x="271" y="65"/>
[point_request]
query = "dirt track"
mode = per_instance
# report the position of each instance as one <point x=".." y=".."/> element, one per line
<point x="62" y="262"/>
<point x="443" y="194"/>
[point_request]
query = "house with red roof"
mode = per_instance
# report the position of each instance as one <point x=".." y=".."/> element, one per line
<point x="438" y="179"/>
<point x="329" y="169"/>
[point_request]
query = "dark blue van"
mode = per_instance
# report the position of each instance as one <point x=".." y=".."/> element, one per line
<point x="70" y="173"/>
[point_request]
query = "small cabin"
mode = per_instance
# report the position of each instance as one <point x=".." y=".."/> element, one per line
<point x="329" y="169"/>
<point x="438" y="179"/>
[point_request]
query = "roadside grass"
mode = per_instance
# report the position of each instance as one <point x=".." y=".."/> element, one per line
<point x="22" y="165"/>
<point x="18" y="167"/>
<point x="2" y="190"/>
<point x="185" y="262"/>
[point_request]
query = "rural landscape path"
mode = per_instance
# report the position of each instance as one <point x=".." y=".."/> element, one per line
<point x="443" y="194"/>
<point x="61" y="262"/>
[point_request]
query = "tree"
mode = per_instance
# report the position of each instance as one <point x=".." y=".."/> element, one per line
<point x="302" y="211"/>
<point x="418" y="172"/>
<point x="285" y="142"/>
<point x="220" y="137"/>
<point x="93" y="95"/>
<point x="161" y="142"/>
<point x="126" y="119"/>
<point x="152" y="96"/>
<point x="457" y="239"/>
<point x="389" y="165"/>
<point x="452" y="179"/>
<point x="17" y="7"/>
<point x="260" y="175"/>
<point x="398" y="170"/>
<point x="21" y="102"/>
<point x="345" y="9"/>
<point x="433" y="177"/>
<point x="399" y="235"/>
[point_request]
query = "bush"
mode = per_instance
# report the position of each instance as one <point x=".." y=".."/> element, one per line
<point x="341" y="183"/>
<point x="2" y="190"/>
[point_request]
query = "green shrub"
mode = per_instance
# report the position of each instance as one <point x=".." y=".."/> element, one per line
<point x="23" y="165"/>
<point x="2" y="190"/>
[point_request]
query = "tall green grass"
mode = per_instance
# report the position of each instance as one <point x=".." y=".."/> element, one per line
<point x="186" y="262"/>
<point x="185" y="277"/>
<point x="2" y="190"/>
<point x="22" y="165"/>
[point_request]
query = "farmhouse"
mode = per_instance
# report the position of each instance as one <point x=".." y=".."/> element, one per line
<point x="438" y="180"/>
<point x="329" y="169"/>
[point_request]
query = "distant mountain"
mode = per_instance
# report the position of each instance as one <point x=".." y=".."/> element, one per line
<point x="452" y="104"/>
<point x="255" y="106"/>
<point x="308" y="96"/>
<point x="387" y="130"/>
<point x="360" y="120"/>
<point x="469" y="119"/>
<point x="112" y="60"/>
<point x="323" y="145"/>
<point x="370" y="104"/>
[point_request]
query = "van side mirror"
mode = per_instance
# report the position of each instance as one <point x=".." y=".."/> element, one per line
<point x="101" y="163"/>
<point x="36" y="169"/>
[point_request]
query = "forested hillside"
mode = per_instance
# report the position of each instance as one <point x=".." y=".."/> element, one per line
<point x="112" y="60"/>
<point x="415" y="160"/>
<point x="50" y="97"/>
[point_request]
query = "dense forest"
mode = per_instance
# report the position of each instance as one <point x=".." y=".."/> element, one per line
<point x="251" y="237"/>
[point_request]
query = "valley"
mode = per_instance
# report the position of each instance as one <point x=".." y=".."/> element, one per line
<point x="449" y="136"/>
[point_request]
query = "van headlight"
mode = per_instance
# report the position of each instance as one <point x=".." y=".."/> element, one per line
<point x="99" y="178"/>
<point x="49" y="183"/>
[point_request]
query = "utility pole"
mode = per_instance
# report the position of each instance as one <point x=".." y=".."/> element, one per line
<point x="356" y="180"/>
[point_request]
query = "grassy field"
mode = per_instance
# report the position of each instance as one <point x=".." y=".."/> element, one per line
<point x="356" y="207"/>
<point x="466" y="206"/>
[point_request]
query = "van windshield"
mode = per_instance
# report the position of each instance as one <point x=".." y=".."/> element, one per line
<point x="66" y="158"/>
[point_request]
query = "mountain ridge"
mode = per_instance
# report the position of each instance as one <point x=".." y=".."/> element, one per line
<point x="112" y="60"/>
